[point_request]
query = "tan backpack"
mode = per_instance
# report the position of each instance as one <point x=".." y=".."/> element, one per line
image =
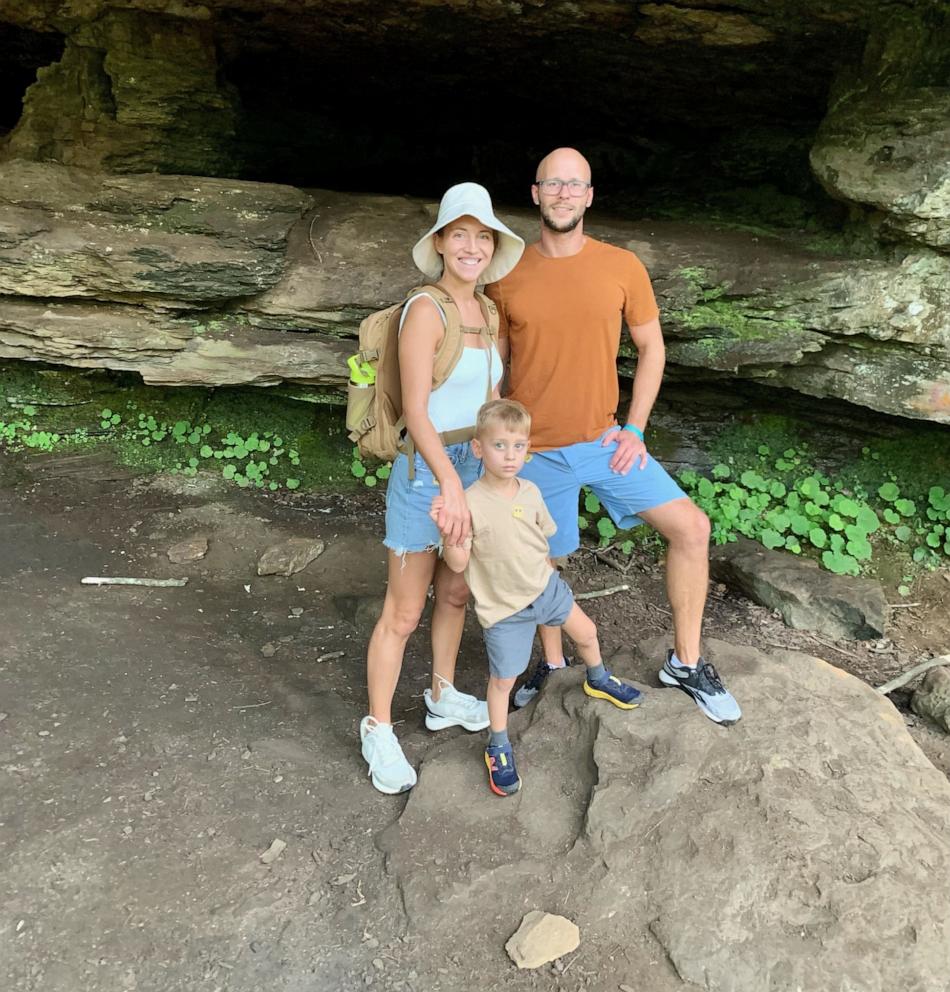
<point x="374" y="417"/>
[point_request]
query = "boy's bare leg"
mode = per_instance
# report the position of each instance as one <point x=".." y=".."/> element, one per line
<point x="499" y="693"/>
<point x="552" y="645"/>
<point x="582" y="631"/>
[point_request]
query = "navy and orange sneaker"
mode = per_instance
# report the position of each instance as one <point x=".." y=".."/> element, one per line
<point x="612" y="689"/>
<point x="502" y="775"/>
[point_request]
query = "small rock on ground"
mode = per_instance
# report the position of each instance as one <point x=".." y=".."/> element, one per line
<point x="294" y="555"/>
<point x="542" y="937"/>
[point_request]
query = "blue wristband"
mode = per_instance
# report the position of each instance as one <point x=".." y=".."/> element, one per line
<point x="634" y="430"/>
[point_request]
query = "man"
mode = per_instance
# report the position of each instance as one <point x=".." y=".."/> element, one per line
<point x="561" y="312"/>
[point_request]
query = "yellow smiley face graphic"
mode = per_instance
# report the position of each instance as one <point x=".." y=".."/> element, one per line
<point x="517" y="512"/>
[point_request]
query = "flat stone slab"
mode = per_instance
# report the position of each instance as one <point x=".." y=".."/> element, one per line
<point x="808" y="597"/>
<point x="808" y="846"/>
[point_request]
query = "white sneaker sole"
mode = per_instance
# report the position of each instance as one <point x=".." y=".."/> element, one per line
<point x="389" y="790"/>
<point x="672" y="682"/>
<point x="434" y="722"/>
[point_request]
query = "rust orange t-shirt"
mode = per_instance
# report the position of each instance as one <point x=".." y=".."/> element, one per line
<point x="563" y="318"/>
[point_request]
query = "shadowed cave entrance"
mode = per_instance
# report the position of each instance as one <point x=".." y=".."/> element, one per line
<point x="667" y="124"/>
<point x="681" y="108"/>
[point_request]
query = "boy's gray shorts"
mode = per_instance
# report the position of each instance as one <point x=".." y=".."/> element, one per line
<point x="509" y="641"/>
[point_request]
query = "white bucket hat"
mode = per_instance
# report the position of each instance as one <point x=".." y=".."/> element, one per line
<point x="469" y="200"/>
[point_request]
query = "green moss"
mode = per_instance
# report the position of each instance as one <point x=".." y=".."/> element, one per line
<point x="739" y="319"/>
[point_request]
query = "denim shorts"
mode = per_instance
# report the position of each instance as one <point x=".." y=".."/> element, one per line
<point x="409" y="527"/>
<point x="509" y="641"/>
<point x="560" y="473"/>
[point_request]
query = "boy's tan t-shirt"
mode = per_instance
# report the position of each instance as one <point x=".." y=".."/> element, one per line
<point x="508" y="568"/>
<point x="562" y="318"/>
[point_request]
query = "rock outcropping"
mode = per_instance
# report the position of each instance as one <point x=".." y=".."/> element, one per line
<point x="209" y="282"/>
<point x="805" y="847"/>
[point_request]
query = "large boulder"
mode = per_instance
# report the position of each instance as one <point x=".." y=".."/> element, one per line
<point x="807" y="847"/>
<point x="892" y="152"/>
<point x="807" y="597"/>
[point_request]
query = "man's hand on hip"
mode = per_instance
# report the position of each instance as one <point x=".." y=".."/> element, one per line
<point x="630" y="451"/>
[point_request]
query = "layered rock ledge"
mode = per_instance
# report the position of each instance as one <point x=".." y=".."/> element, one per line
<point x="208" y="282"/>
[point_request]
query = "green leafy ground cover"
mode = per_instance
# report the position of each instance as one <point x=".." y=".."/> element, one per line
<point x="890" y="502"/>
<point x="250" y="438"/>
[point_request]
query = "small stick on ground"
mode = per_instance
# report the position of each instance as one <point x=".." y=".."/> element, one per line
<point x="112" y="580"/>
<point x="606" y="559"/>
<point x="909" y="676"/>
<point x="597" y="593"/>
<point x="829" y="645"/>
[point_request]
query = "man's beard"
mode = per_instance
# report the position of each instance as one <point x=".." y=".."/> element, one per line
<point x="565" y="227"/>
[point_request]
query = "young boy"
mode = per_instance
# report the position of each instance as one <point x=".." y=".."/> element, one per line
<point x="515" y="586"/>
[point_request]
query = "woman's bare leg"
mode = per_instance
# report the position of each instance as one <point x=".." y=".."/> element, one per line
<point x="409" y="579"/>
<point x="448" y="619"/>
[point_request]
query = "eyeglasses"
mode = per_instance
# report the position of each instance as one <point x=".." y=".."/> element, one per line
<point x="576" y="187"/>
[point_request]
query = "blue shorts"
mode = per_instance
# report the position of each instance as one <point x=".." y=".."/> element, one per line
<point x="560" y="473"/>
<point x="509" y="641"/>
<point x="408" y="524"/>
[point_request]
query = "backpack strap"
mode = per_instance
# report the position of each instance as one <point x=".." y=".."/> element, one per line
<point x="447" y="356"/>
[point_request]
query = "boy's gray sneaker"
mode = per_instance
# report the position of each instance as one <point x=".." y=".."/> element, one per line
<point x="705" y="687"/>
<point x="454" y="709"/>
<point x="390" y="771"/>
<point x="532" y="687"/>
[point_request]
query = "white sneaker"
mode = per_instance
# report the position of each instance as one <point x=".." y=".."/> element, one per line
<point x="390" y="771"/>
<point x="455" y="709"/>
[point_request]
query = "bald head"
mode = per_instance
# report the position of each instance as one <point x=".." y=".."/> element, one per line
<point x="563" y="191"/>
<point x="564" y="163"/>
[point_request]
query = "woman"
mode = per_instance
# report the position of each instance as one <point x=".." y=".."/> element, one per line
<point x="466" y="246"/>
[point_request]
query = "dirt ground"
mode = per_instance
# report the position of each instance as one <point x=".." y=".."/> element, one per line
<point x="155" y="742"/>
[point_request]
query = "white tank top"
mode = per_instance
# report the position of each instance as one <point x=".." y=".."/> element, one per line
<point x="455" y="403"/>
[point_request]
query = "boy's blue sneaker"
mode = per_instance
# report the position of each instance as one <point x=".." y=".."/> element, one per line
<point x="704" y="686"/>
<point x="615" y="691"/>
<point x="532" y="686"/>
<point x="502" y="775"/>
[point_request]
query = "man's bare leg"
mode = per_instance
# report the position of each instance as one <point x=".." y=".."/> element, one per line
<point x="686" y="529"/>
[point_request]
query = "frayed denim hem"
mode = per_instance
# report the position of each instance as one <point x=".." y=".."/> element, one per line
<point x="402" y="552"/>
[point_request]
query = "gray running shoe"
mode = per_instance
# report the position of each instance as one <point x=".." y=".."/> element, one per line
<point x="532" y="687"/>
<point x="705" y="687"/>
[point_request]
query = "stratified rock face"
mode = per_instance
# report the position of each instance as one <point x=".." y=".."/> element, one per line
<point x="807" y="847"/>
<point x="876" y="333"/>
<point x="892" y="152"/>
<point x="173" y="240"/>
<point x="164" y="350"/>
<point x="133" y="92"/>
